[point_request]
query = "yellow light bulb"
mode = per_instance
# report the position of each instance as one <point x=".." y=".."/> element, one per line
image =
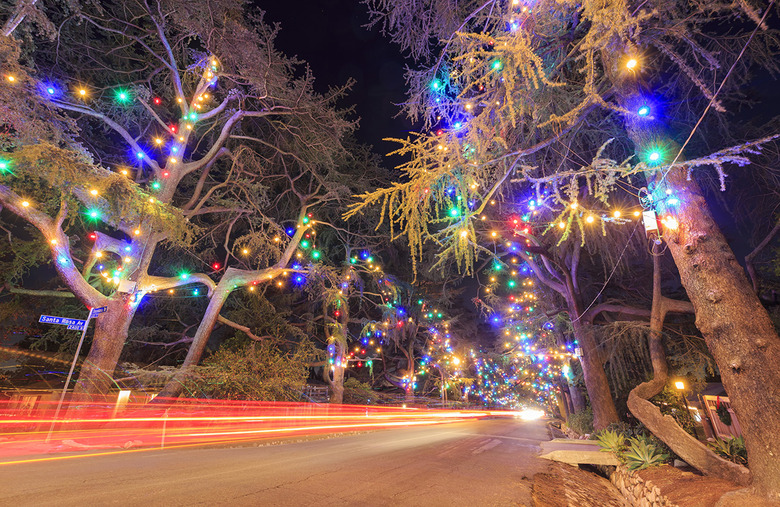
<point x="245" y="251"/>
<point x="636" y="213"/>
<point x="25" y="203"/>
<point x="137" y="232"/>
<point x="158" y="141"/>
<point x="128" y="259"/>
<point x="93" y="191"/>
<point x="616" y="214"/>
<point x="11" y="78"/>
<point x="83" y="92"/>
<point x="562" y="225"/>
<point x="589" y="219"/>
<point x="631" y="63"/>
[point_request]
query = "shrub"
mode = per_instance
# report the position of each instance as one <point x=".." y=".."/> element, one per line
<point x="357" y="392"/>
<point x="254" y="372"/>
<point x="581" y="422"/>
<point x="732" y="449"/>
<point x="642" y="454"/>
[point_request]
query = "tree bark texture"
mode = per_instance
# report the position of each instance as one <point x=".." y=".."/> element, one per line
<point x="666" y="428"/>
<point x="735" y="326"/>
<point x="97" y="371"/>
<point x="604" y="411"/>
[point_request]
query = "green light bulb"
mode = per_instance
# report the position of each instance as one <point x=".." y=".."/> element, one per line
<point x="122" y="95"/>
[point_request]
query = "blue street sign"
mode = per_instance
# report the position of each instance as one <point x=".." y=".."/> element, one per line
<point x="64" y="321"/>
<point x="76" y="327"/>
<point x="96" y="311"/>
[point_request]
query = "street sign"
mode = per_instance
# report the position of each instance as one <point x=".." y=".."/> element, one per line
<point x="63" y="321"/>
<point x="97" y="311"/>
<point x="76" y="327"/>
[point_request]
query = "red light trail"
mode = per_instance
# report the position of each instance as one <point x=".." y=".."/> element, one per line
<point x="98" y="428"/>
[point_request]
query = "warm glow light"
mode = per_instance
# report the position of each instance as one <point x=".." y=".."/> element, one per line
<point x="631" y="63"/>
<point x="679" y="385"/>
<point x="531" y="414"/>
<point x="25" y="203"/>
<point x="93" y="191"/>
<point x="616" y="214"/>
<point x="590" y="219"/>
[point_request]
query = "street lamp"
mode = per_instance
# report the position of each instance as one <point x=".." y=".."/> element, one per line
<point x="680" y="385"/>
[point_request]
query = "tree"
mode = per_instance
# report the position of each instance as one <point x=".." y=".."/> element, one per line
<point x="216" y="122"/>
<point x="534" y="90"/>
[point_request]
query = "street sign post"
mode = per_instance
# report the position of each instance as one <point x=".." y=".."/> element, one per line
<point x="77" y="325"/>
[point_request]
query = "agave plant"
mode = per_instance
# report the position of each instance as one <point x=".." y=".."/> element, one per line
<point x="733" y="449"/>
<point x="611" y="441"/>
<point x="642" y="454"/>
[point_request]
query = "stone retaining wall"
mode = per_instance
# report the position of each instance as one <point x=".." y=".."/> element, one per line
<point x="637" y="491"/>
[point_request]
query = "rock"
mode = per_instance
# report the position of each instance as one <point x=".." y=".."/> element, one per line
<point x="678" y="463"/>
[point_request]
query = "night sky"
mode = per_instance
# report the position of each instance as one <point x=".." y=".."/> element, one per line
<point x="329" y="35"/>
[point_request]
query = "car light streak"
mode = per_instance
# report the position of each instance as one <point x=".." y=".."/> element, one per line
<point x="115" y="425"/>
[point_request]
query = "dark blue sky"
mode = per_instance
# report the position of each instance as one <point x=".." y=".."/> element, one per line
<point x="330" y="36"/>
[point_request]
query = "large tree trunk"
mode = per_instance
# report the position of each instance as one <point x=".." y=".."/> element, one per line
<point x="409" y="388"/>
<point x="97" y="370"/>
<point x="175" y="386"/>
<point x="729" y="315"/>
<point x="335" y="375"/>
<point x="577" y="399"/>
<point x="665" y="427"/>
<point x="604" y="412"/>
<point x="736" y="327"/>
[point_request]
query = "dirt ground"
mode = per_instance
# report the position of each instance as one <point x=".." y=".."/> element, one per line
<point x="567" y="486"/>
<point x="686" y="488"/>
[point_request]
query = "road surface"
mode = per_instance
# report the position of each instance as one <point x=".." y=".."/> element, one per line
<point x="480" y="462"/>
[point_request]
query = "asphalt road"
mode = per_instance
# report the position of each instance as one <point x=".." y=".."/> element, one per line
<point x="480" y="463"/>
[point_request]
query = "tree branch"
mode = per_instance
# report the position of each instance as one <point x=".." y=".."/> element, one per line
<point x="241" y="328"/>
<point x="752" y="255"/>
<point x="148" y="283"/>
<point x="59" y="245"/>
